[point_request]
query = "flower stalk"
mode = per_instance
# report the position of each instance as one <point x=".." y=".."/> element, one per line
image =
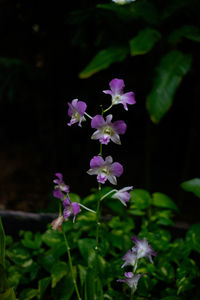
<point x="71" y="266"/>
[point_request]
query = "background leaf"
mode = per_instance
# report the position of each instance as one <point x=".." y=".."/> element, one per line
<point x="172" y="68"/>
<point x="144" y="41"/>
<point x="188" y="31"/>
<point x="104" y="59"/>
<point x="162" y="200"/>
<point x="193" y="186"/>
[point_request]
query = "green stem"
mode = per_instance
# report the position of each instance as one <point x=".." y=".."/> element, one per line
<point x="131" y="296"/>
<point x="71" y="266"/>
<point x="107" y="109"/>
<point x="104" y="196"/>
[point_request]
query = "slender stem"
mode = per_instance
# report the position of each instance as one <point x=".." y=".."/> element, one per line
<point x="131" y="296"/>
<point x="104" y="196"/>
<point x="87" y="208"/>
<point x="71" y="266"/>
<point x="107" y="109"/>
<point x="88" y="115"/>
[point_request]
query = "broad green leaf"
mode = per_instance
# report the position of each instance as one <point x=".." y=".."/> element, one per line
<point x="140" y="199"/>
<point x="42" y="286"/>
<point x="172" y="68"/>
<point x="2" y="244"/>
<point x="193" y="237"/>
<point x="162" y="200"/>
<point x="19" y="255"/>
<point x="144" y="41"/>
<point x="8" y="295"/>
<point x="58" y="271"/>
<point x="86" y="247"/>
<point x="74" y="197"/>
<point x="28" y="294"/>
<point x="64" y="288"/>
<point x="104" y="59"/>
<point x="31" y="241"/>
<point x="192" y="185"/>
<point x="187" y="31"/>
<point x="52" y="237"/>
<point x="116" y="206"/>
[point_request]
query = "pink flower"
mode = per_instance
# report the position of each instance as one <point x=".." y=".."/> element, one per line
<point x="106" y="130"/>
<point x="117" y="94"/>
<point x="76" y="112"/>
<point x="105" y="169"/>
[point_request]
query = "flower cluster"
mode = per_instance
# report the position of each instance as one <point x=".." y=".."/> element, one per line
<point x="106" y="131"/>
<point x="141" y="249"/>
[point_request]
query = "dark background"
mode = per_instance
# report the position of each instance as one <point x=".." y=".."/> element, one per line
<point x="44" y="46"/>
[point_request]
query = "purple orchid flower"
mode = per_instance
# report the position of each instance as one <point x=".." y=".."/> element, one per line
<point x="123" y="195"/>
<point x="70" y="208"/>
<point x="105" y="169"/>
<point x="142" y="248"/>
<point x="130" y="259"/>
<point x="76" y="112"/>
<point x="116" y="92"/>
<point x="131" y="280"/>
<point x="106" y="130"/>
<point x="60" y="188"/>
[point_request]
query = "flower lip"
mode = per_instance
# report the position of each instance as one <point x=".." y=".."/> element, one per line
<point x="106" y="130"/>
<point x="105" y="169"/>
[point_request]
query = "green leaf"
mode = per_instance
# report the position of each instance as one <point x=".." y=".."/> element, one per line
<point x="64" y="289"/>
<point x="19" y="255"/>
<point x="8" y="295"/>
<point x="58" y="271"/>
<point x="140" y="199"/>
<point x="187" y="31"/>
<point x="28" y="294"/>
<point x="82" y="274"/>
<point x="32" y="241"/>
<point x="3" y="280"/>
<point x="74" y="197"/>
<point x="162" y="200"/>
<point x="52" y="237"/>
<point x="193" y="237"/>
<point x="2" y="244"/>
<point x="104" y="59"/>
<point x="42" y="286"/>
<point x="86" y="247"/>
<point x="172" y="68"/>
<point x="144" y="41"/>
<point x="193" y="186"/>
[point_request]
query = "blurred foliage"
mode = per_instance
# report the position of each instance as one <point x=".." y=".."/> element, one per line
<point x="37" y="267"/>
<point x="145" y="27"/>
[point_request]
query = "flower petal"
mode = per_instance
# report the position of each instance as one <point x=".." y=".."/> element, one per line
<point x="96" y="162"/>
<point x="116" y="169"/>
<point x="117" y="85"/>
<point x="97" y="122"/>
<point x="128" y="98"/>
<point x="120" y="127"/>
<point x="81" y="107"/>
